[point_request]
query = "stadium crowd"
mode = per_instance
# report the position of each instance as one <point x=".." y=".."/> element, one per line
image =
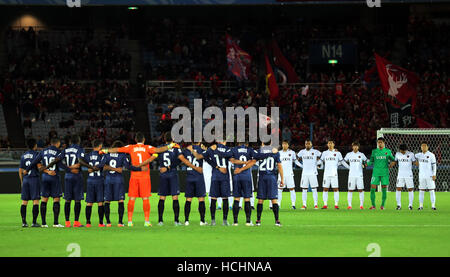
<point x="103" y="104"/>
<point x="78" y="55"/>
<point x="181" y="51"/>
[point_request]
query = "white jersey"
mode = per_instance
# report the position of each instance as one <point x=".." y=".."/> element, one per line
<point x="427" y="164"/>
<point x="309" y="161"/>
<point x="405" y="164"/>
<point x="331" y="160"/>
<point x="356" y="161"/>
<point x="287" y="158"/>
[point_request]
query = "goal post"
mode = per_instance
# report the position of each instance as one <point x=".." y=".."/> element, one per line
<point x="439" y="143"/>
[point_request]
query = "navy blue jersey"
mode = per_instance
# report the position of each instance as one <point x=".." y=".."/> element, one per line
<point x="267" y="161"/>
<point x="95" y="159"/>
<point x="49" y="155"/>
<point x="117" y="160"/>
<point x="219" y="157"/>
<point x="72" y="155"/>
<point x="243" y="153"/>
<point x="26" y="162"/>
<point x="45" y="157"/>
<point x="169" y="159"/>
<point x="191" y="158"/>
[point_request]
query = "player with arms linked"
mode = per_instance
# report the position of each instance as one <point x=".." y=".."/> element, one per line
<point x="140" y="184"/>
<point x="169" y="185"/>
<point x="269" y="167"/>
<point x="29" y="180"/>
<point x="113" y="165"/>
<point x="50" y="184"/>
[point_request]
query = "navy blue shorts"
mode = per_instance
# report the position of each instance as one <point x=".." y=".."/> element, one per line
<point x="94" y="193"/>
<point x="195" y="186"/>
<point x="114" y="189"/>
<point x="168" y="185"/>
<point x="242" y="188"/>
<point x="267" y="187"/>
<point x="220" y="188"/>
<point x="51" y="186"/>
<point x="73" y="187"/>
<point x="30" y="188"/>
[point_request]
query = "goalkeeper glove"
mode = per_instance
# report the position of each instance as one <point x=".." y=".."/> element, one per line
<point x="103" y="151"/>
<point x="155" y="155"/>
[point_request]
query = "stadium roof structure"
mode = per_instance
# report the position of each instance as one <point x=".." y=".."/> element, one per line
<point x="203" y="2"/>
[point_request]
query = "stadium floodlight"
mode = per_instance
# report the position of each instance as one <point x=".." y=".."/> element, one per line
<point x="332" y="61"/>
<point x="133" y="8"/>
<point x="438" y="141"/>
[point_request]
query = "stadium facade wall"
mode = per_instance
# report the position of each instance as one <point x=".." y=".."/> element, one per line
<point x="10" y="180"/>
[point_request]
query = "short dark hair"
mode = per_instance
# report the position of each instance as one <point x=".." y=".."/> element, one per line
<point x="139" y="137"/>
<point x="355" y="143"/>
<point x="117" y="144"/>
<point x="381" y="138"/>
<point x="96" y="143"/>
<point x="285" y="141"/>
<point x="54" y="140"/>
<point x="306" y="140"/>
<point x="332" y="140"/>
<point x="31" y="143"/>
<point x="403" y="147"/>
<point x="75" y="139"/>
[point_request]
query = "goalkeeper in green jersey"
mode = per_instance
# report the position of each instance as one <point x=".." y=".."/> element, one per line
<point x="380" y="159"/>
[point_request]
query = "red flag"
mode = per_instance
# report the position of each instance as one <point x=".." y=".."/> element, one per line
<point x="396" y="81"/>
<point x="282" y="62"/>
<point x="271" y="82"/>
<point x="238" y="60"/>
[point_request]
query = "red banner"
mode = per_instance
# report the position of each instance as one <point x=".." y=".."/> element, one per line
<point x="238" y="60"/>
<point x="283" y="63"/>
<point x="396" y="81"/>
<point x="271" y="82"/>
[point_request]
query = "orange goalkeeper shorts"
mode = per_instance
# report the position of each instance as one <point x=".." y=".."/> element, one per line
<point x="139" y="187"/>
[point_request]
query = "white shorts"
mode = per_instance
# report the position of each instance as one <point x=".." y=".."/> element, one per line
<point x="309" y="180"/>
<point x="409" y="182"/>
<point x="330" y="181"/>
<point x="426" y="183"/>
<point x="288" y="181"/>
<point x="355" y="183"/>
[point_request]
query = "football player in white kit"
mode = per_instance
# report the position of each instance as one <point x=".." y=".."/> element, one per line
<point x="287" y="157"/>
<point x="405" y="177"/>
<point x="427" y="175"/>
<point x="332" y="158"/>
<point x="357" y="161"/>
<point x="309" y="161"/>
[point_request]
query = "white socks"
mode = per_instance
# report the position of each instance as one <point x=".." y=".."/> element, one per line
<point x="293" y="197"/>
<point x="336" y="198"/>
<point x="398" y="197"/>
<point x="432" y="198"/>
<point x="325" y="198"/>
<point x="315" y="196"/>
<point x="411" y="197"/>
<point x="349" y="198"/>
<point x="421" y="197"/>
<point x="280" y="196"/>
<point x="304" y="196"/>
<point x="361" y="198"/>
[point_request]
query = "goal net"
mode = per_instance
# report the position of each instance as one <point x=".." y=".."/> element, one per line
<point x="439" y="143"/>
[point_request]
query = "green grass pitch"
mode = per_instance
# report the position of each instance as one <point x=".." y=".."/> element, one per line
<point x="321" y="233"/>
